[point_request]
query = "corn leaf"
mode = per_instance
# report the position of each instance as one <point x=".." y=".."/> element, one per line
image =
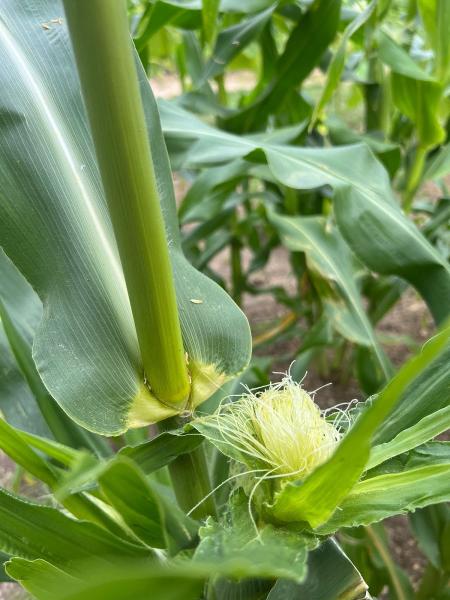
<point x="428" y="394"/>
<point x="398" y="60"/>
<point x="17" y="403"/>
<point x="337" y="63"/>
<point x="3" y="576"/>
<point x="162" y="450"/>
<point x="270" y="553"/>
<point x="210" y="14"/>
<point x="415" y="93"/>
<point x="334" y="267"/>
<point x="409" y="486"/>
<point x="24" y="400"/>
<point x="366" y="211"/>
<point x="303" y="50"/>
<point x="46" y="582"/>
<point x="14" y="443"/>
<point x="436" y="19"/>
<point x="330" y="575"/>
<point x="424" y="430"/>
<point x="55" y="227"/>
<point x="231" y="41"/>
<point x="153" y="519"/>
<point x="420" y="101"/>
<point x="34" y="531"/>
<point x="431" y="527"/>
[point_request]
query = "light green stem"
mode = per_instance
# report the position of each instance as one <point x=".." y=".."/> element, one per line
<point x="190" y="478"/>
<point x="414" y="177"/>
<point x="103" y="51"/>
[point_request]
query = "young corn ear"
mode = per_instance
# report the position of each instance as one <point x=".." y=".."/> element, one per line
<point x="280" y="430"/>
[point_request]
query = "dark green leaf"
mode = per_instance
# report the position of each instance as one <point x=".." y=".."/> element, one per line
<point x="436" y="19"/>
<point x="162" y="450"/>
<point x="382" y="496"/>
<point x="424" y="397"/>
<point x="34" y="531"/>
<point x="153" y="519"/>
<point x="21" y="312"/>
<point x="304" y="48"/>
<point x="399" y="61"/>
<point x="3" y="576"/>
<point x="137" y="581"/>
<point x="431" y="527"/>
<point x="231" y="41"/>
<point x="331" y="575"/>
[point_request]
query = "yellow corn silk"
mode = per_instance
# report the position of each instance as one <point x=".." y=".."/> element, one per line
<point x="280" y="431"/>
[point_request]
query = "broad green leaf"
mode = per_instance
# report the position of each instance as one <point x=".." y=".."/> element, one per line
<point x="162" y="450"/>
<point x="337" y="64"/>
<point x="369" y="547"/>
<point x="333" y="267"/>
<point x="387" y="152"/>
<point x="439" y="164"/>
<point x="30" y="406"/>
<point x="85" y="348"/>
<point x="398" y="60"/>
<point x="153" y="519"/>
<point x="249" y="6"/>
<point x="316" y="498"/>
<point x="231" y="41"/>
<point x="414" y="92"/>
<point x="330" y="575"/>
<point x="270" y="552"/>
<point x="137" y="581"/>
<point x="424" y="397"/>
<point x="424" y="430"/>
<point x="17" y="403"/>
<point x="431" y="527"/>
<point x="3" y="576"/>
<point x="18" y="450"/>
<point x="15" y="445"/>
<point x="39" y="577"/>
<point x="63" y="454"/>
<point x="33" y="531"/>
<point x="303" y="50"/>
<point x="436" y="19"/>
<point x="367" y="214"/>
<point x="420" y="101"/>
<point x="389" y="494"/>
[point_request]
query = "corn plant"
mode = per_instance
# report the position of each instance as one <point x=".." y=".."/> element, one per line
<point x="107" y="329"/>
